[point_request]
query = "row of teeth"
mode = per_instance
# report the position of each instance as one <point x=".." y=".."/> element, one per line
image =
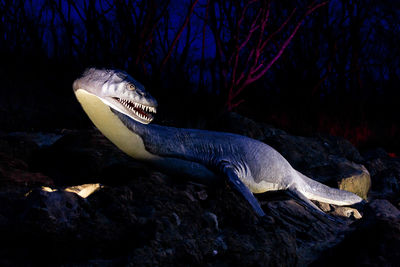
<point x="137" y="105"/>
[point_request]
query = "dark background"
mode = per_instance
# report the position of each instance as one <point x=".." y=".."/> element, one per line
<point x="304" y="66"/>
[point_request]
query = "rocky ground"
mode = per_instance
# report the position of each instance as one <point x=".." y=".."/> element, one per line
<point x="142" y="217"/>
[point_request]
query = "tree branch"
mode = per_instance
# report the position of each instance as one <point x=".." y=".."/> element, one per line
<point x="178" y="35"/>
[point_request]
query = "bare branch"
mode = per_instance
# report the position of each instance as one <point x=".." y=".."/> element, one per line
<point x="178" y="35"/>
<point x="255" y="76"/>
<point x="252" y="70"/>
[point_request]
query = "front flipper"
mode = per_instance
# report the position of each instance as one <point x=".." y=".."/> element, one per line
<point x="238" y="185"/>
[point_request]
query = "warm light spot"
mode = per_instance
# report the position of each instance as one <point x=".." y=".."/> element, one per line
<point x="48" y="189"/>
<point x="44" y="188"/>
<point x="392" y="155"/>
<point x="84" y="190"/>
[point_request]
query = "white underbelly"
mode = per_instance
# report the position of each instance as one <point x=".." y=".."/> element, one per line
<point x="262" y="186"/>
<point x="112" y="127"/>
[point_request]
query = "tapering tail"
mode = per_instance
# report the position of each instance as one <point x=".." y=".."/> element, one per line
<point x="316" y="191"/>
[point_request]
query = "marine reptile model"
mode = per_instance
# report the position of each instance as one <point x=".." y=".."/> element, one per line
<point x="122" y="109"/>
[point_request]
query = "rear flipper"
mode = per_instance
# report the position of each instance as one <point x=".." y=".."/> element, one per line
<point x="238" y="185"/>
<point x="308" y="204"/>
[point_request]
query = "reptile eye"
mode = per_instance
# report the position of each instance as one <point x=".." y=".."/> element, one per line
<point x="131" y="87"/>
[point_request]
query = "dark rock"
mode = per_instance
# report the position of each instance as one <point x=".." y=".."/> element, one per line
<point x="374" y="242"/>
<point x="53" y="211"/>
<point x="41" y="139"/>
<point x="82" y="157"/>
<point x="235" y="123"/>
<point x="202" y="195"/>
<point x="212" y="220"/>
<point x="15" y="172"/>
<point x="142" y="217"/>
<point x="148" y="220"/>
<point x="383" y="209"/>
<point x="314" y="233"/>
<point x="375" y="153"/>
<point x="17" y="146"/>
<point x="385" y="174"/>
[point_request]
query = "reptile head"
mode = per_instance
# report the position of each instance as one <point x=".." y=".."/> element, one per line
<point x="119" y="91"/>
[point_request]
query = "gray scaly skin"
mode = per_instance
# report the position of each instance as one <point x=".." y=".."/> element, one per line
<point x="122" y="109"/>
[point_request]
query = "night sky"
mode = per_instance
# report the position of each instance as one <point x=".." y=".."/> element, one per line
<point x="304" y="66"/>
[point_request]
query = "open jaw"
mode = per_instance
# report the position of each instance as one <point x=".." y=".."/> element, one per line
<point x="137" y="111"/>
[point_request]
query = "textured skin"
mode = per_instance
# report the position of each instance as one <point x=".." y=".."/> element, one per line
<point x="248" y="165"/>
<point x="218" y="151"/>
